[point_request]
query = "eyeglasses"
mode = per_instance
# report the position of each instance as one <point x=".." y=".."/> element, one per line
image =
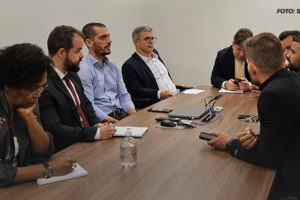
<point x="148" y="39"/>
<point x="40" y="89"/>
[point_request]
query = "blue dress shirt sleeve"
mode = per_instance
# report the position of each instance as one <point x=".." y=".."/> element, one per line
<point x="87" y="80"/>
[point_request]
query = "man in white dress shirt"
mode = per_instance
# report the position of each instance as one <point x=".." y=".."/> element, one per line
<point x="144" y="73"/>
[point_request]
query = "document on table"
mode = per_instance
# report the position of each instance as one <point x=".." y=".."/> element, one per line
<point x="192" y="91"/>
<point x="230" y="91"/>
<point x="136" y="131"/>
<point x="77" y="172"/>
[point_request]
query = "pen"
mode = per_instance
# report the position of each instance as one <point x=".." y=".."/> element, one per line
<point x="66" y="155"/>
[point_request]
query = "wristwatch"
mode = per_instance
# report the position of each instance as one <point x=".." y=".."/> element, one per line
<point x="47" y="170"/>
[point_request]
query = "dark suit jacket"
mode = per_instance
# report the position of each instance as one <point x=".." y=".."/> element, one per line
<point x="224" y="68"/>
<point x="59" y="114"/>
<point x="278" y="142"/>
<point x="139" y="79"/>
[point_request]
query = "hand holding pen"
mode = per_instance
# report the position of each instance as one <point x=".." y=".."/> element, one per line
<point x="61" y="164"/>
<point x="68" y="158"/>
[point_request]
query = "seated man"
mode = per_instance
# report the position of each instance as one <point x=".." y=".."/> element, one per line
<point x="144" y="73"/>
<point x="294" y="55"/>
<point x="286" y="39"/>
<point x="276" y="146"/>
<point x="102" y="79"/>
<point x="23" y="142"/>
<point x="65" y="110"/>
<point x="231" y="63"/>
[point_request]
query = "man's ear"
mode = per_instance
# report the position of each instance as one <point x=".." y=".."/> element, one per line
<point x="252" y="69"/>
<point x="61" y="53"/>
<point x="89" y="43"/>
<point x="135" y="41"/>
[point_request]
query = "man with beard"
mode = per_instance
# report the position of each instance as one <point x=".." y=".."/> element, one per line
<point x="102" y="79"/>
<point x="65" y="110"/>
<point x="277" y="145"/>
<point x="286" y="39"/>
<point x="294" y="55"/>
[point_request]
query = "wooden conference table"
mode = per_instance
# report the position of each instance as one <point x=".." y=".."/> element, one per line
<point x="172" y="164"/>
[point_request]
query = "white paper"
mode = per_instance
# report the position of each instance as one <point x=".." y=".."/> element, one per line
<point x="77" y="172"/>
<point x="136" y="131"/>
<point x="192" y="91"/>
<point x="230" y="91"/>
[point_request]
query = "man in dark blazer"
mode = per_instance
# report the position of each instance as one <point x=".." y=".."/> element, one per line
<point x="65" y="110"/>
<point x="144" y="73"/>
<point x="231" y="63"/>
<point x="277" y="144"/>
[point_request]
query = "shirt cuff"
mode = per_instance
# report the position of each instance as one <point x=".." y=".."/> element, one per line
<point x="158" y="94"/>
<point x="223" y="84"/>
<point x="127" y="106"/>
<point x="250" y="85"/>
<point x="97" y="136"/>
<point x="233" y="147"/>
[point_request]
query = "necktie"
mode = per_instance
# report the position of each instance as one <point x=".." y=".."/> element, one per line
<point x="82" y="115"/>
<point x="239" y="71"/>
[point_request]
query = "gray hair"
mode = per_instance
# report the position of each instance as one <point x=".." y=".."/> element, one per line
<point x="137" y="31"/>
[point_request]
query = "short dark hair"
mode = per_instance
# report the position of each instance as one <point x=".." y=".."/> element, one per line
<point x="88" y="29"/>
<point x="296" y="37"/>
<point x="241" y="35"/>
<point x="265" y="51"/>
<point x="22" y="65"/>
<point x="285" y="34"/>
<point x="61" y="37"/>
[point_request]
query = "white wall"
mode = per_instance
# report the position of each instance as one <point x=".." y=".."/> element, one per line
<point x="190" y="32"/>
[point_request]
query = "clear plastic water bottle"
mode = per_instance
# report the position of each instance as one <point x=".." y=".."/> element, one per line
<point x="128" y="150"/>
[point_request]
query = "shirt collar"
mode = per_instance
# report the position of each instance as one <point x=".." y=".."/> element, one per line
<point x="59" y="73"/>
<point x="272" y="77"/>
<point x="145" y="59"/>
<point x="94" y="61"/>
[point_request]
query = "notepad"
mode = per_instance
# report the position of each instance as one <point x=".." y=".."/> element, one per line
<point x="136" y="131"/>
<point x="77" y="172"/>
<point x="231" y="91"/>
<point x="192" y="91"/>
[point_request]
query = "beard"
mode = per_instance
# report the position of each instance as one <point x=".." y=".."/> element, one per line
<point x="71" y="66"/>
<point x="100" y="53"/>
<point x="295" y="67"/>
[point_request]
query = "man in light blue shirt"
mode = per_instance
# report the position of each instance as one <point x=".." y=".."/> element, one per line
<point x="102" y="79"/>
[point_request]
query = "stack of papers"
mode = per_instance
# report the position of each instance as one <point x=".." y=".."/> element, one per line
<point x="230" y="91"/>
<point x="136" y="131"/>
<point x="192" y="91"/>
<point x="77" y="172"/>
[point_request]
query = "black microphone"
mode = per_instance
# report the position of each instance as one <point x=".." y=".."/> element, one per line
<point x="216" y="98"/>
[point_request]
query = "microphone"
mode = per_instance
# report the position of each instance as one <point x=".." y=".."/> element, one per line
<point x="216" y="98"/>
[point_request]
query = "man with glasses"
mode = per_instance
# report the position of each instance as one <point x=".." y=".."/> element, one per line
<point x="65" y="110"/>
<point x="231" y="64"/>
<point x="102" y="79"/>
<point x="144" y="73"/>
